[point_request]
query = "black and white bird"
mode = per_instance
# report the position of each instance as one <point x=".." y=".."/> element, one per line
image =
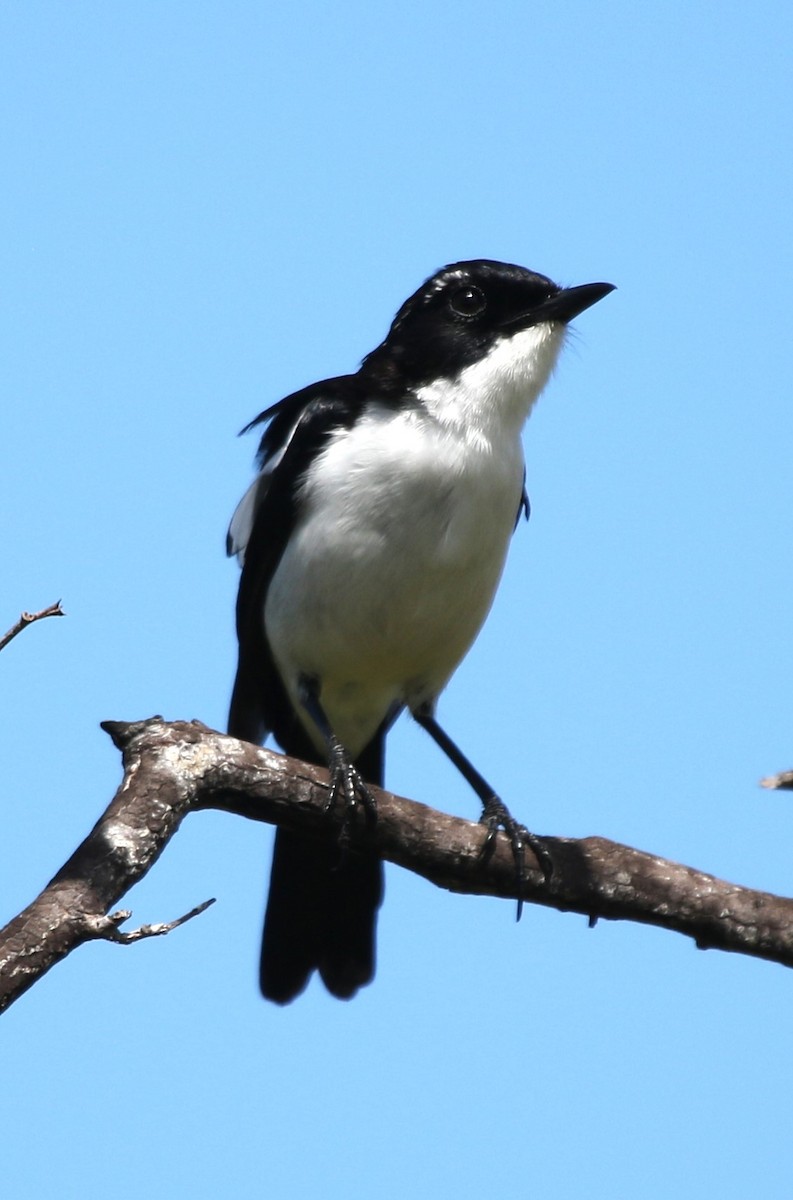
<point x="371" y="544"/>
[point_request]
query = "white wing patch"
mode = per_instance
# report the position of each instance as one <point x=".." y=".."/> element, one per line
<point x="241" y="525"/>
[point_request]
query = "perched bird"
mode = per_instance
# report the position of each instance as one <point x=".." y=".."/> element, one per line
<point x="371" y="544"/>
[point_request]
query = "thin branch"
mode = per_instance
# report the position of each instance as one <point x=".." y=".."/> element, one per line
<point x="108" y="927"/>
<point x="177" y="768"/>
<point x="782" y="782"/>
<point x="27" y="618"/>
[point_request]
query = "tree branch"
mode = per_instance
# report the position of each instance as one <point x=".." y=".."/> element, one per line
<point x="782" y="782"/>
<point x="27" y="618"/>
<point x="108" y="927"/>
<point x="171" y="769"/>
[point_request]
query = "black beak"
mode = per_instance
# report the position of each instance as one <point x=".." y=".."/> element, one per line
<point x="562" y="305"/>
<point x="569" y="302"/>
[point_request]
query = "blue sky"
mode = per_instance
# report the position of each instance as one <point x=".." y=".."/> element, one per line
<point x="205" y="206"/>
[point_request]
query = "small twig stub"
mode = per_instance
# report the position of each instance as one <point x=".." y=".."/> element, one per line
<point x="27" y="618"/>
<point x="110" y="932"/>
<point x="782" y="782"/>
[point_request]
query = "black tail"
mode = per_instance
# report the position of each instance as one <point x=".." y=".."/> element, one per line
<point x="322" y="909"/>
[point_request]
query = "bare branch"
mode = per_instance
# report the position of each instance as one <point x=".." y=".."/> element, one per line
<point x="177" y="768"/>
<point x="27" y="618"/>
<point x="108" y="927"/>
<point x="783" y="781"/>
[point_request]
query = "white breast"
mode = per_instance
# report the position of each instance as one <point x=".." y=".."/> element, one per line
<point x="393" y="567"/>
<point x="405" y="523"/>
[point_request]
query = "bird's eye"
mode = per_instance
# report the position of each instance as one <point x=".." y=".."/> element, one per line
<point x="468" y="301"/>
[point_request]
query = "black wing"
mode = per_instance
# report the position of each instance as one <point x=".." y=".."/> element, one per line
<point x="524" y="506"/>
<point x="321" y="908"/>
<point x="299" y="428"/>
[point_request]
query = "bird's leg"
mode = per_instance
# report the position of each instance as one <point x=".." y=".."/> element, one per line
<point x="346" y="783"/>
<point x="495" y="814"/>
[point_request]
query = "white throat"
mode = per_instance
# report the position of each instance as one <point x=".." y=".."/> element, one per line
<point x="493" y="397"/>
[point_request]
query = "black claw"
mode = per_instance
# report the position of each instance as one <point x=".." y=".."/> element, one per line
<point x="496" y="815"/>
<point x="347" y="785"/>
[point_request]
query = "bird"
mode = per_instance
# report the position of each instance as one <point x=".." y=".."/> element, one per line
<point x="372" y="542"/>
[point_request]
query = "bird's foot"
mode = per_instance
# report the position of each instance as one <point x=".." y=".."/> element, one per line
<point x="495" y="816"/>
<point x="348" y="787"/>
